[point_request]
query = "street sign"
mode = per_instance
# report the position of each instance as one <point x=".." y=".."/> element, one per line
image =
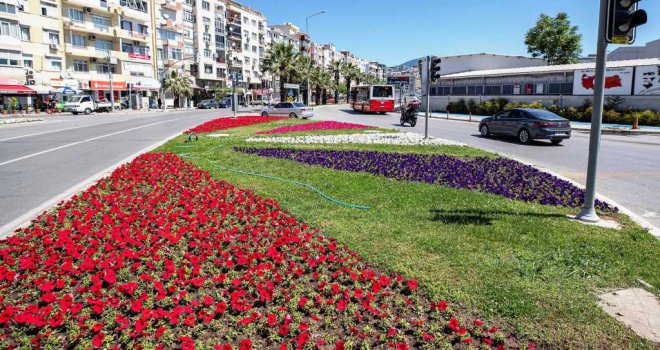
<point x="398" y="80"/>
<point x="292" y="86"/>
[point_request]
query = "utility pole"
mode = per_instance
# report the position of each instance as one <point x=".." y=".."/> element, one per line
<point x="307" y="91"/>
<point x="112" y="88"/>
<point x="233" y="93"/>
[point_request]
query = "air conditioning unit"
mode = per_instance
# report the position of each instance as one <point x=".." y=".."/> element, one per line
<point x="32" y="82"/>
<point x="54" y="46"/>
<point x="88" y="9"/>
<point x="29" y="72"/>
<point x="92" y="37"/>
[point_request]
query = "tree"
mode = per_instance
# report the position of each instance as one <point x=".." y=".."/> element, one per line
<point x="280" y="60"/>
<point x="179" y="86"/>
<point x="336" y="70"/>
<point x="221" y="92"/>
<point x="305" y="69"/>
<point x="321" y="80"/>
<point x="554" y="39"/>
<point x="350" y="72"/>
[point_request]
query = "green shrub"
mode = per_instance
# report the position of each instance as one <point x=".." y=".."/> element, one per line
<point x="613" y="117"/>
<point x="458" y="107"/>
<point x="535" y="105"/>
<point x="648" y="117"/>
<point x="570" y="113"/>
<point x="556" y="109"/>
<point x="472" y="105"/>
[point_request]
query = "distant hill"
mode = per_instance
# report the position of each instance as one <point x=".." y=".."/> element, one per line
<point x="411" y="63"/>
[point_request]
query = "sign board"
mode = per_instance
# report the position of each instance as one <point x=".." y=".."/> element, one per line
<point x="647" y="80"/>
<point x="105" y="85"/>
<point x="398" y="80"/>
<point x="618" y="81"/>
<point x="292" y="86"/>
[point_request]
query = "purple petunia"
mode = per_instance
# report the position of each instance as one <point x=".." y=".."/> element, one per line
<point x="500" y="176"/>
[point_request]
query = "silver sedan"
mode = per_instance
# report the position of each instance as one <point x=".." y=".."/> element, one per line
<point x="290" y="109"/>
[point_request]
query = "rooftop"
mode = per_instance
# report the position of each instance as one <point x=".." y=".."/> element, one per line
<point x="550" y="69"/>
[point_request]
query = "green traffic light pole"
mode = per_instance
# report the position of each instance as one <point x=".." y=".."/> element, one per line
<point x="428" y="95"/>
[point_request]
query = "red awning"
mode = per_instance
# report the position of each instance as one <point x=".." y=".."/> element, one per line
<point x="16" y="90"/>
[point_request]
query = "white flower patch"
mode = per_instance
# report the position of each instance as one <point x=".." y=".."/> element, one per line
<point x="402" y="139"/>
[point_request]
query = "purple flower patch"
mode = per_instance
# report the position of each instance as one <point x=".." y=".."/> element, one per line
<point x="500" y="176"/>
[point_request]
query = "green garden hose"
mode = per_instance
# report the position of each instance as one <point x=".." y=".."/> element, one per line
<point x="270" y="177"/>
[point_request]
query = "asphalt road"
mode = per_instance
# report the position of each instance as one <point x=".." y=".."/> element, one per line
<point x="629" y="168"/>
<point x="41" y="161"/>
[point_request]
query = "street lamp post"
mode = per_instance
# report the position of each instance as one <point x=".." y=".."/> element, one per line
<point x="112" y="89"/>
<point x="307" y="32"/>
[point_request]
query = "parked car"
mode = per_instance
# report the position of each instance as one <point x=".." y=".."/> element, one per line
<point x="85" y="104"/>
<point x="291" y="109"/>
<point x="211" y="104"/>
<point x="527" y="124"/>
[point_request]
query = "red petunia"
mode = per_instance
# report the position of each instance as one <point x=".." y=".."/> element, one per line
<point x="246" y="344"/>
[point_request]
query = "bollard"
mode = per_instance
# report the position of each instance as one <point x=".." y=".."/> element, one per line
<point x="635" y="125"/>
<point x="447" y="114"/>
<point x="470" y="117"/>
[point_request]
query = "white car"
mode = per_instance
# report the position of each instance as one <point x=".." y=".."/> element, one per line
<point x="85" y="104"/>
<point x="290" y="109"/>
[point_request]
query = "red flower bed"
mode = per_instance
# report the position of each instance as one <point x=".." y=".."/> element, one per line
<point x="230" y="123"/>
<point x="329" y="125"/>
<point x="159" y="255"/>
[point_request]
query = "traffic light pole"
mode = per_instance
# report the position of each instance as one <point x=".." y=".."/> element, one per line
<point x="588" y="213"/>
<point x="428" y="95"/>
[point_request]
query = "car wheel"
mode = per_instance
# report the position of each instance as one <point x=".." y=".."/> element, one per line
<point x="524" y="137"/>
<point x="292" y="115"/>
<point x="88" y="111"/>
<point x="484" y="130"/>
<point x="264" y="114"/>
<point x="556" y="142"/>
<point x="413" y="123"/>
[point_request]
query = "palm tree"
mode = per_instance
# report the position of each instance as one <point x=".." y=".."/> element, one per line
<point x="305" y="70"/>
<point x="321" y="80"/>
<point x="350" y="72"/>
<point x="280" y="60"/>
<point x="336" y="67"/>
<point x="179" y="86"/>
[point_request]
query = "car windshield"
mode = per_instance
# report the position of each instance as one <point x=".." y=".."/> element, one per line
<point x="299" y="104"/>
<point x="75" y="99"/>
<point x="546" y="115"/>
<point x="383" y="91"/>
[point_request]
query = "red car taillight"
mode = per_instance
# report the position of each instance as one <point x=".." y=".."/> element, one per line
<point x="547" y="124"/>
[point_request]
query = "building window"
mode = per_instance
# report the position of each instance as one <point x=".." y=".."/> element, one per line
<point x="9" y="29"/>
<point x="459" y="90"/>
<point x="28" y="62"/>
<point x="76" y="15"/>
<point x="10" y="58"/>
<point x="25" y="33"/>
<point x="207" y="53"/>
<point x="493" y="90"/>
<point x="78" y="40"/>
<point x="102" y="23"/>
<point x="103" y="46"/>
<point x="507" y="89"/>
<point x="103" y="68"/>
<point x="208" y="69"/>
<point x="174" y="54"/>
<point x="139" y="5"/>
<point x="188" y="16"/>
<point x="49" y="10"/>
<point x="54" y="64"/>
<point x="80" y="66"/>
<point x="103" y="3"/>
<point x="254" y="49"/>
<point x="206" y="5"/>
<point x="8" y="8"/>
<point x="52" y="37"/>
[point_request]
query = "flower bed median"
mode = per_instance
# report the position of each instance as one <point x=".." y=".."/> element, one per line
<point x="499" y="176"/>
<point x="159" y="255"/>
<point x="230" y="123"/>
<point x="327" y="125"/>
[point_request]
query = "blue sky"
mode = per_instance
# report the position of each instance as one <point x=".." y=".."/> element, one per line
<point x="393" y="32"/>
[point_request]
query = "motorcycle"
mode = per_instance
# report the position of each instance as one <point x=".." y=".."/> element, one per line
<point x="409" y="113"/>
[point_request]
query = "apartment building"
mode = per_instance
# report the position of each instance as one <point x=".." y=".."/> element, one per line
<point x="247" y="40"/>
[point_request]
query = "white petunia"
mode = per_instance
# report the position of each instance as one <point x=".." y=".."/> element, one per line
<point x="402" y="139"/>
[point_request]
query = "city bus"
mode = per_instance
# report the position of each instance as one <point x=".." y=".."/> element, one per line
<point x="373" y="98"/>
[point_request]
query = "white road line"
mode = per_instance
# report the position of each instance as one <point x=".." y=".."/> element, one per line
<point x="81" y="142"/>
<point x="58" y="130"/>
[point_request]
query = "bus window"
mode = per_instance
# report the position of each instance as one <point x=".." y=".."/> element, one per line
<point x="383" y="91"/>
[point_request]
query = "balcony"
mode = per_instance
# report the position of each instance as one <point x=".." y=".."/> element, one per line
<point x="128" y="12"/>
<point x="221" y="75"/>
<point x="96" y="5"/>
<point x="173" y="43"/>
<point x="88" y="27"/>
<point x="85" y="51"/>
<point x="234" y="35"/>
<point x="236" y="63"/>
<point x="173" y="5"/>
<point x="131" y="35"/>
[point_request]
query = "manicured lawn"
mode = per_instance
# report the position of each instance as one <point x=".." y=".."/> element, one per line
<point x="522" y="265"/>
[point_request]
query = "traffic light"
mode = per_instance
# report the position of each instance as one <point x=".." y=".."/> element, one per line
<point x="435" y="68"/>
<point x="622" y="19"/>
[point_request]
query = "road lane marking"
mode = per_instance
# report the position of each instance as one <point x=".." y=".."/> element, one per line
<point x="81" y="142"/>
<point x="613" y="175"/>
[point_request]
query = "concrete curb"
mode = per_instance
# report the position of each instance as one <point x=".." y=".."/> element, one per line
<point x="26" y="219"/>
<point x="654" y="231"/>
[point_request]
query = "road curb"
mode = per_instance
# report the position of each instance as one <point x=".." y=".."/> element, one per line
<point x="26" y="219"/>
<point x="654" y="231"/>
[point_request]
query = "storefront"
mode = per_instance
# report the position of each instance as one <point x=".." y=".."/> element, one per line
<point x="144" y="93"/>
<point x="21" y="93"/>
<point x="101" y="90"/>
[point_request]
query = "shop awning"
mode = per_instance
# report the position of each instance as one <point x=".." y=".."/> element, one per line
<point x="41" y="89"/>
<point x="16" y="90"/>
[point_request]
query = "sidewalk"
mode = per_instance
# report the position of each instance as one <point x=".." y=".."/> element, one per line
<point x="613" y="129"/>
